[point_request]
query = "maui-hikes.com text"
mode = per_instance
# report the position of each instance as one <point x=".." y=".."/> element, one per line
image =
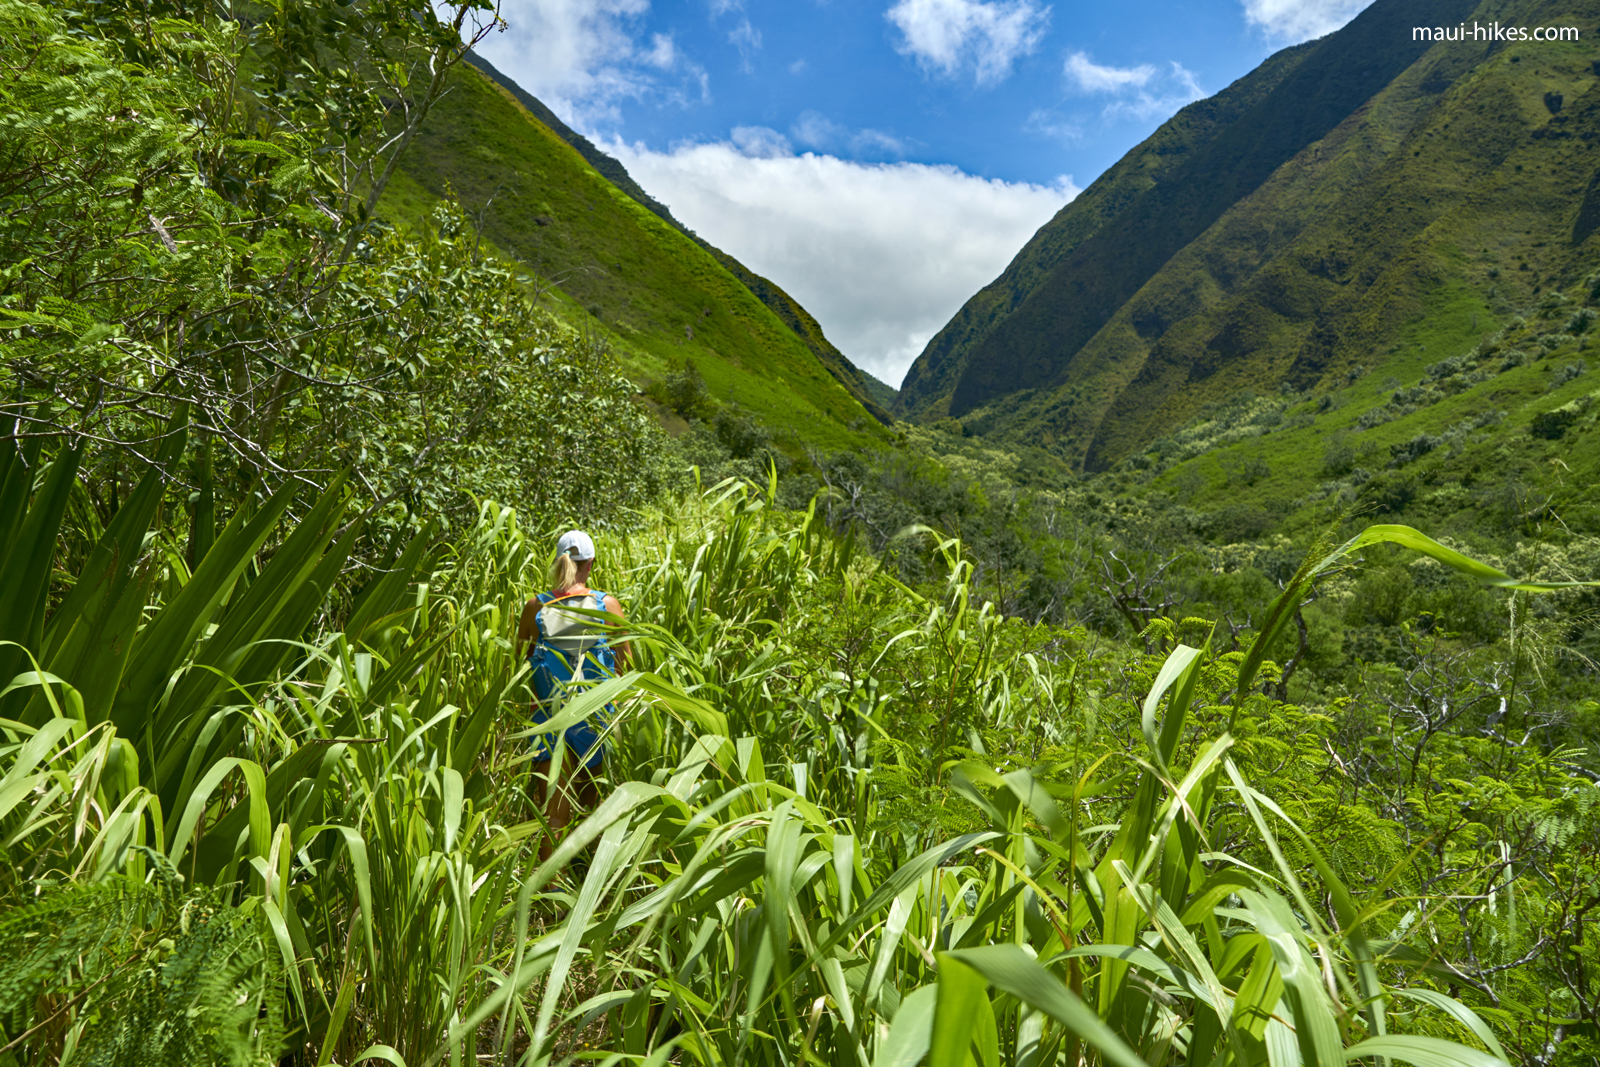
<point x="1494" y="31"/>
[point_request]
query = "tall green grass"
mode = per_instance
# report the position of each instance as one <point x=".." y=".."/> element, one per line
<point x="342" y="805"/>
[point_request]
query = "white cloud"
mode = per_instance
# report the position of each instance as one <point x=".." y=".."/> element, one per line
<point x="883" y="254"/>
<point x="876" y="142"/>
<point x="814" y="130"/>
<point x="663" y="53"/>
<point x="1053" y="127"/>
<point x="1179" y="88"/>
<point x="747" y="39"/>
<point x="760" y="142"/>
<point x="952" y="35"/>
<point x="583" y="57"/>
<point x="1140" y="93"/>
<point x="1292" y="21"/>
<point x="1093" y="78"/>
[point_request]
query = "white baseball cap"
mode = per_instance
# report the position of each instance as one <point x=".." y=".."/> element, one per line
<point x="575" y="543"/>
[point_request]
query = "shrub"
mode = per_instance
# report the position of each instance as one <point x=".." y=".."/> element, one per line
<point x="1414" y="449"/>
<point x="1391" y="493"/>
<point x="1568" y="373"/>
<point x="1552" y="425"/>
<point x="685" y="392"/>
<point x="1338" y="456"/>
<point x="740" y="433"/>
<point x="1382" y="595"/>
<point x="1401" y="404"/>
<point x="1241" y="522"/>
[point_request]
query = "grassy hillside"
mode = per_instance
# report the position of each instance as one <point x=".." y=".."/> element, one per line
<point x="1500" y="438"/>
<point x="1163" y="157"/>
<point x="865" y="388"/>
<point x="1415" y="224"/>
<point x="620" y="269"/>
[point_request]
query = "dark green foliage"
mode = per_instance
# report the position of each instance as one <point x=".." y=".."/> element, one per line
<point x="512" y="406"/>
<point x="1390" y="493"/>
<point x="1552" y="425"/>
<point x="739" y="433"/>
<point x="684" y="391"/>
<point x="299" y="338"/>
<point x="156" y="975"/>
<point x="1568" y="373"/>
<point x="1382" y="596"/>
<point x="1414" y="449"/>
<point x="1230" y="525"/>
<point x="1338" y="456"/>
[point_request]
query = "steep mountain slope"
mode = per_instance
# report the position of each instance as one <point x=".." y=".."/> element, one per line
<point x="1350" y="198"/>
<point x="484" y="166"/>
<point x="1162" y="160"/>
<point x="609" y="167"/>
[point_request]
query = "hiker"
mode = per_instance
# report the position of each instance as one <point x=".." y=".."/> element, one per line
<point x="562" y="647"/>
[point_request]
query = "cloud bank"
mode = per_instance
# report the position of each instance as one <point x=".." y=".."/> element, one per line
<point x="883" y="254"/>
<point x="949" y="36"/>
<point x="1293" y="21"/>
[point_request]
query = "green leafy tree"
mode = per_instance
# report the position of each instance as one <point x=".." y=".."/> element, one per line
<point x="188" y="224"/>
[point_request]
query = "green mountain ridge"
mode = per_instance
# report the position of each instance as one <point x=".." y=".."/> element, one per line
<point x="609" y="167"/>
<point x="866" y="390"/>
<point x="1344" y="207"/>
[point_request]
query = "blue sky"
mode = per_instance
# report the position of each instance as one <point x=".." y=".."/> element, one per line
<point x="881" y="159"/>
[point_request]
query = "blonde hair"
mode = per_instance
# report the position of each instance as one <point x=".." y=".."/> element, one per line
<point x="563" y="572"/>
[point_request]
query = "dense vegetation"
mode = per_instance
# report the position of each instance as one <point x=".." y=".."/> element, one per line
<point x="1113" y="777"/>
<point x="840" y="811"/>
<point x="189" y="228"/>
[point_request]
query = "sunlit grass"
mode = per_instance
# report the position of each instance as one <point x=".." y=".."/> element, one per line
<point x="739" y="896"/>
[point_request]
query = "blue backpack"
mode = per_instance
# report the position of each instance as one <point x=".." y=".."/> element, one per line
<point x="569" y="649"/>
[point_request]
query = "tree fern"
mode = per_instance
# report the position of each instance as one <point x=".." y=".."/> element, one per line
<point x="138" y="974"/>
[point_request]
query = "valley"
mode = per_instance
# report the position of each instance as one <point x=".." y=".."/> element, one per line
<point x="1195" y="661"/>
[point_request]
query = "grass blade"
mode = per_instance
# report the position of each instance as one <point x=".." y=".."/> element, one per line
<point x="1011" y="970"/>
<point x="911" y="1032"/>
<point x="1422" y="1051"/>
